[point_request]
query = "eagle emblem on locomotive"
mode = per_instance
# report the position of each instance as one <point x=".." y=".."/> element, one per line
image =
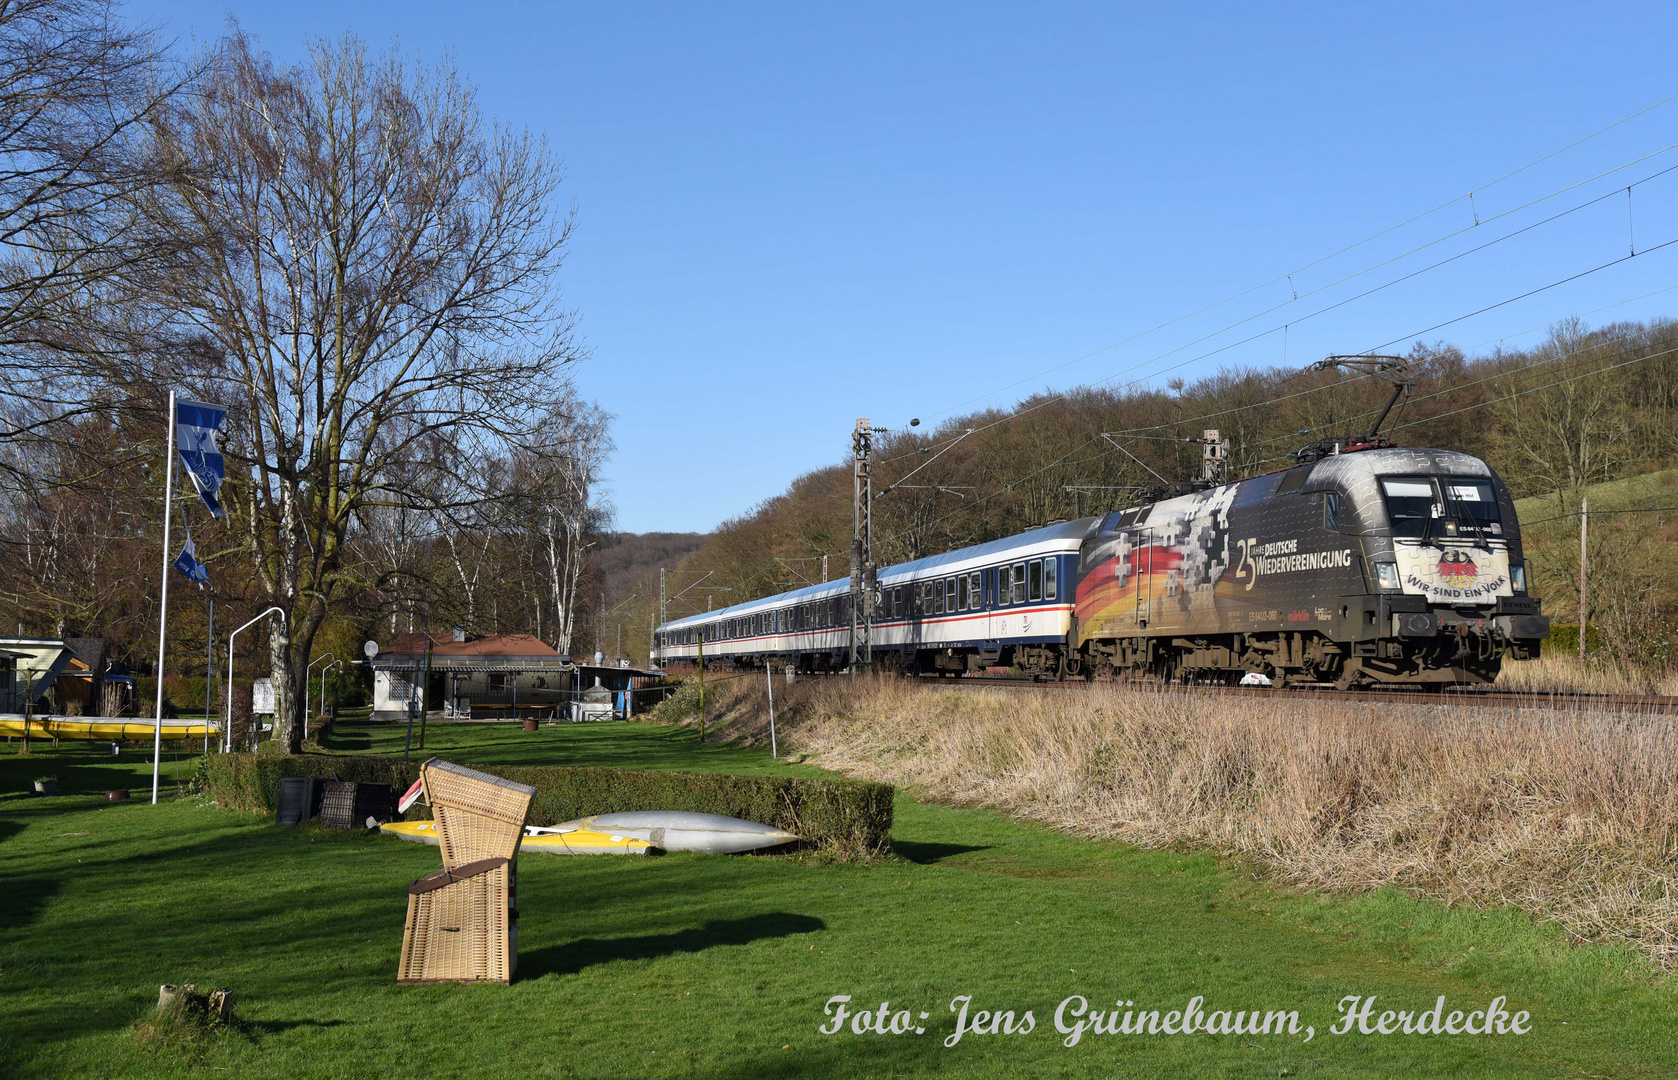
<point x="1457" y="569"/>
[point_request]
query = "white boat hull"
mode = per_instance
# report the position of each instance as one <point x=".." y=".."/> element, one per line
<point x="682" y="830"/>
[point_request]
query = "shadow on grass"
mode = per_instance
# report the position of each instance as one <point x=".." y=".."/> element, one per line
<point x="925" y="854"/>
<point x="257" y="1028"/>
<point x="21" y="900"/>
<point x="574" y="956"/>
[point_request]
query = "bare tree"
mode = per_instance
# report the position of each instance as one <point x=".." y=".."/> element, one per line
<point x="558" y="476"/>
<point x="78" y="93"/>
<point x="1569" y="425"/>
<point x="377" y="265"/>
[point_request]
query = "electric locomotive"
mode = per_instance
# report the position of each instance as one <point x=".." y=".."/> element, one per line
<point x="1380" y="565"/>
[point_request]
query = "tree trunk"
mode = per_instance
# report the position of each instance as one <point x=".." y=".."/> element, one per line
<point x="288" y="704"/>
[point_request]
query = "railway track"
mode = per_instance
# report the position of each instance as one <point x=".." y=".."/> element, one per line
<point x="1645" y="703"/>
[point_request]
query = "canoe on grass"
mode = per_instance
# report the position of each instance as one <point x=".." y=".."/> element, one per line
<point x="683" y="830"/>
<point x="104" y="727"/>
<point x="575" y="842"/>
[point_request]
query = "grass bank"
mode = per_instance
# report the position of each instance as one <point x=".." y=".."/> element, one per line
<point x="1571" y="816"/>
<point x="719" y="967"/>
<point x="1559" y="671"/>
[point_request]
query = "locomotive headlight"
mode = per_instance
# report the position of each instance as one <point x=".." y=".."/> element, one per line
<point x="1518" y="577"/>
<point x="1386" y="575"/>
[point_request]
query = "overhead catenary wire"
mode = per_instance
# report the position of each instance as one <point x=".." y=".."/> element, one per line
<point x="1282" y="328"/>
<point x="1454" y="388"/>
<point x="1288" y="277"/>
<point x="1601" y="513"/>
<point x="1479" y="405"/>
<point x="1191" y="420"/>
<point x="1531" y="292"/>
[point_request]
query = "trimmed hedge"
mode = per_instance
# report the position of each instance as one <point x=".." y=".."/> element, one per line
<point x="842" y="819"/>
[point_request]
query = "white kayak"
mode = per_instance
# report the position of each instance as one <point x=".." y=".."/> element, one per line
<point x="683" y="830"/>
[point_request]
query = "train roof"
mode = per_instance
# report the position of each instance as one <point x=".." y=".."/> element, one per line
<point x="1066" y="530"/>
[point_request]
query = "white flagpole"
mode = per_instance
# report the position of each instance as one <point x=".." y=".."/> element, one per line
<point x="163" y="605"/>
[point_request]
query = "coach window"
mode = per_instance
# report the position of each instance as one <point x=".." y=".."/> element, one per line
<point x="961" y="593"/>
<point x="1019" y="583"/>
<point x="937" y="590"/>
<point x="973" y="588"/>
<point x="1035" y="573"/>
<point x="1051" y="569"/>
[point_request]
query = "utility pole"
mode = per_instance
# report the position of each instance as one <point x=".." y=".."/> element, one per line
<point x="1584" y="570"/>
<point x="652" y="633"/>
<point x="862" y="547"/>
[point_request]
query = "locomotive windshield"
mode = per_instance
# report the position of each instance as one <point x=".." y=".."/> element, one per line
<point x="1435" y="508"/>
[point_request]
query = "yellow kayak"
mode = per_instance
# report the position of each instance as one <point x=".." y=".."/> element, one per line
<point x="105" y="728"/>
<point x="574" y="842"/>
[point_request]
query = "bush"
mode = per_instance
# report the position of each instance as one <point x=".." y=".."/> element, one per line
<point x="840" y="819"/>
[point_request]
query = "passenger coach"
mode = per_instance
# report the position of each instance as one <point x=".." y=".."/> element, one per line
<point x="1001" y="602"/>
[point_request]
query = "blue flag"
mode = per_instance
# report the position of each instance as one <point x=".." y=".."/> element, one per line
<point x="195" y="439"/>
<point x="188" y="564"/>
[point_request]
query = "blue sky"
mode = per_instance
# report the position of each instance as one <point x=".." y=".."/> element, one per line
<point x="792" y="215"/>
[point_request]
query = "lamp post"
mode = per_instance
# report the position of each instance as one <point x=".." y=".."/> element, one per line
<point x="306" y="669"/>
<point x="323" y="672"/>
<point x="228" y="733"/>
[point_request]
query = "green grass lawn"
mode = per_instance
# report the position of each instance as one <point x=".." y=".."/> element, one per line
<point x="701" y="966"/>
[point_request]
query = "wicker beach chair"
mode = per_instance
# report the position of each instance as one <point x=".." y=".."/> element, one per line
<point x="462" y="921"/>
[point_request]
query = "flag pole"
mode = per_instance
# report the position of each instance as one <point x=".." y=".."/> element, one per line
<point x="163" y="603"/>
<point x="209" y="673"/>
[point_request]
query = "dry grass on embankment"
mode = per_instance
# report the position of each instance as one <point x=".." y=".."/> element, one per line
<point x="1572" y="816"/>
<point x="1561" y="672"/>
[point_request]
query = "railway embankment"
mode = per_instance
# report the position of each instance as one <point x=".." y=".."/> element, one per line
<point x="1568" y="813"/>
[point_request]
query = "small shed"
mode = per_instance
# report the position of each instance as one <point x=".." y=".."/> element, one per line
<point x="484" y="676"/>
<point x="37" y="664"/>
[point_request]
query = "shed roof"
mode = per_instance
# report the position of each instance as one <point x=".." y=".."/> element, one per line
<point x="484" y="652"/>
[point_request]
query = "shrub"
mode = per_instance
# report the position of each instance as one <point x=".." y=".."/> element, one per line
<point x="839" y="819"/>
